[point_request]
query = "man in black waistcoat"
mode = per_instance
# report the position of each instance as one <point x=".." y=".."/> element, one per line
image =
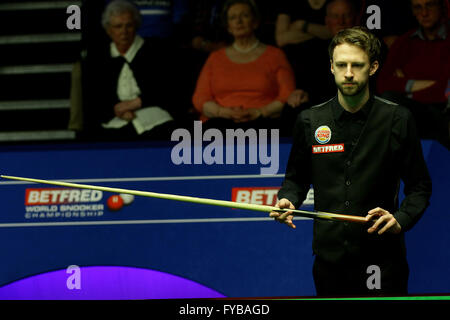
<point x="374" y="144"/>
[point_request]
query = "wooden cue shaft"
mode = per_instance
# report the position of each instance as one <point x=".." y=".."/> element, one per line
<point x="222" y="203"/>
<point x="325" y="215"/>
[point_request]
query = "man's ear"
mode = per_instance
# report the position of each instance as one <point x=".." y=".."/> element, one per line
<point x="374" y="67"/>
<point x="331" y="66"/>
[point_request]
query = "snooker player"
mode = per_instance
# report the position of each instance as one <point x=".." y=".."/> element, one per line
<point x="354" y="149"/>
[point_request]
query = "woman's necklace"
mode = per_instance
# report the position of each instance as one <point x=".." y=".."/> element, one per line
<point x="246" y="50"/>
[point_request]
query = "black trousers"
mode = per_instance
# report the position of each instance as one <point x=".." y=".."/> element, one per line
<point x="356" y="278"/>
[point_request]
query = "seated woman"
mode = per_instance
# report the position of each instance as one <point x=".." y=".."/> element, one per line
<point x="129" y="82"/>
<point x="247" y="83"/>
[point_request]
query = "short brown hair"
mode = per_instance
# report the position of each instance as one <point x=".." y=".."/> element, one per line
<point x="252" y="5"/>
<point x="360" y="37"/>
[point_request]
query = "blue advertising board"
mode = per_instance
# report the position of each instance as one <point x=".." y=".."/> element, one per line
<point x="63" y="243"/>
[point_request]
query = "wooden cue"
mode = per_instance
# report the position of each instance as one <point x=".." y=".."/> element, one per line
<point x="222" y="203"/>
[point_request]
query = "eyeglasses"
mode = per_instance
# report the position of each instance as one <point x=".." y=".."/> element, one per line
<point x="418" y="8"/>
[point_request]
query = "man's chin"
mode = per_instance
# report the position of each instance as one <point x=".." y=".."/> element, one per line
<point x="353" y="91"/>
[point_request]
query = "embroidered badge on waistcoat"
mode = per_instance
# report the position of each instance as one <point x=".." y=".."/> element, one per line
<point x="323" y="134"/>
<point x="328" y="148"/>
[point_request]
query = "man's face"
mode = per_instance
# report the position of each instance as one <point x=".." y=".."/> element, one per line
<point x="339" y="16"/>
<point x="427" y="12"/>
<point x="122" y="29"/>
<point x="351" y="69"/>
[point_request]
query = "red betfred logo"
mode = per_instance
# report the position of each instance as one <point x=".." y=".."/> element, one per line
<point x="255" y="195"/>
<point x="329" y="148"/>
<point x="264" y="195"/>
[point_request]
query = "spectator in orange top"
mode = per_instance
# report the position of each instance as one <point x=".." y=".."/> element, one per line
<point x="247" y="83"/>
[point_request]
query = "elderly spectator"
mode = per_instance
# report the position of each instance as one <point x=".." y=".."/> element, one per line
<point x="248" y="82"/>
<point x="129" y="81"/>
<point x="417" y="70"/>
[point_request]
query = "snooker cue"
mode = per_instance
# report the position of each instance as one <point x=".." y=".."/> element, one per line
<point x="222" y="203"/>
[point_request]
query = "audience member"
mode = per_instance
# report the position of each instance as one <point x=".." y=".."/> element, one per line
<point x="269" y="13"/>
<point x="247" y="83"/>
<point x="387" y="19"/>
<point x="129" y="99"/>
<point x="311" y="62"/>
<point x="417" y="70"/>
<point x="202" y="29"/>
<point x="201" y="32"/>
<point x="204" y="24"/>
<point x="198" y="34"/>
<point x="300" y="21"/>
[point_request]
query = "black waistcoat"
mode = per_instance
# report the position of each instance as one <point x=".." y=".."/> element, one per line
<point x="353" y="180"/>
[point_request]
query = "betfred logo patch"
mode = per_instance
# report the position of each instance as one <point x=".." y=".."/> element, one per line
<point x="330" y="148"/>
<point x="323" y="134"/>
<point x="255" y="195"/>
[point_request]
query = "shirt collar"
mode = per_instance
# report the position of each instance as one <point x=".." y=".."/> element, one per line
<point x="340" y="113"/>
<point x="442" y="32"/>
<point x="131" y="52"/>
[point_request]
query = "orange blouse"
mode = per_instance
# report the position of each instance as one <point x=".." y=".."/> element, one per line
<point x="250" y="85"/>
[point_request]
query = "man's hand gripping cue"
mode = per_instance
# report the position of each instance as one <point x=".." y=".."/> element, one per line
<point x="285" y="217"/>
<point x="384" y="219"/>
